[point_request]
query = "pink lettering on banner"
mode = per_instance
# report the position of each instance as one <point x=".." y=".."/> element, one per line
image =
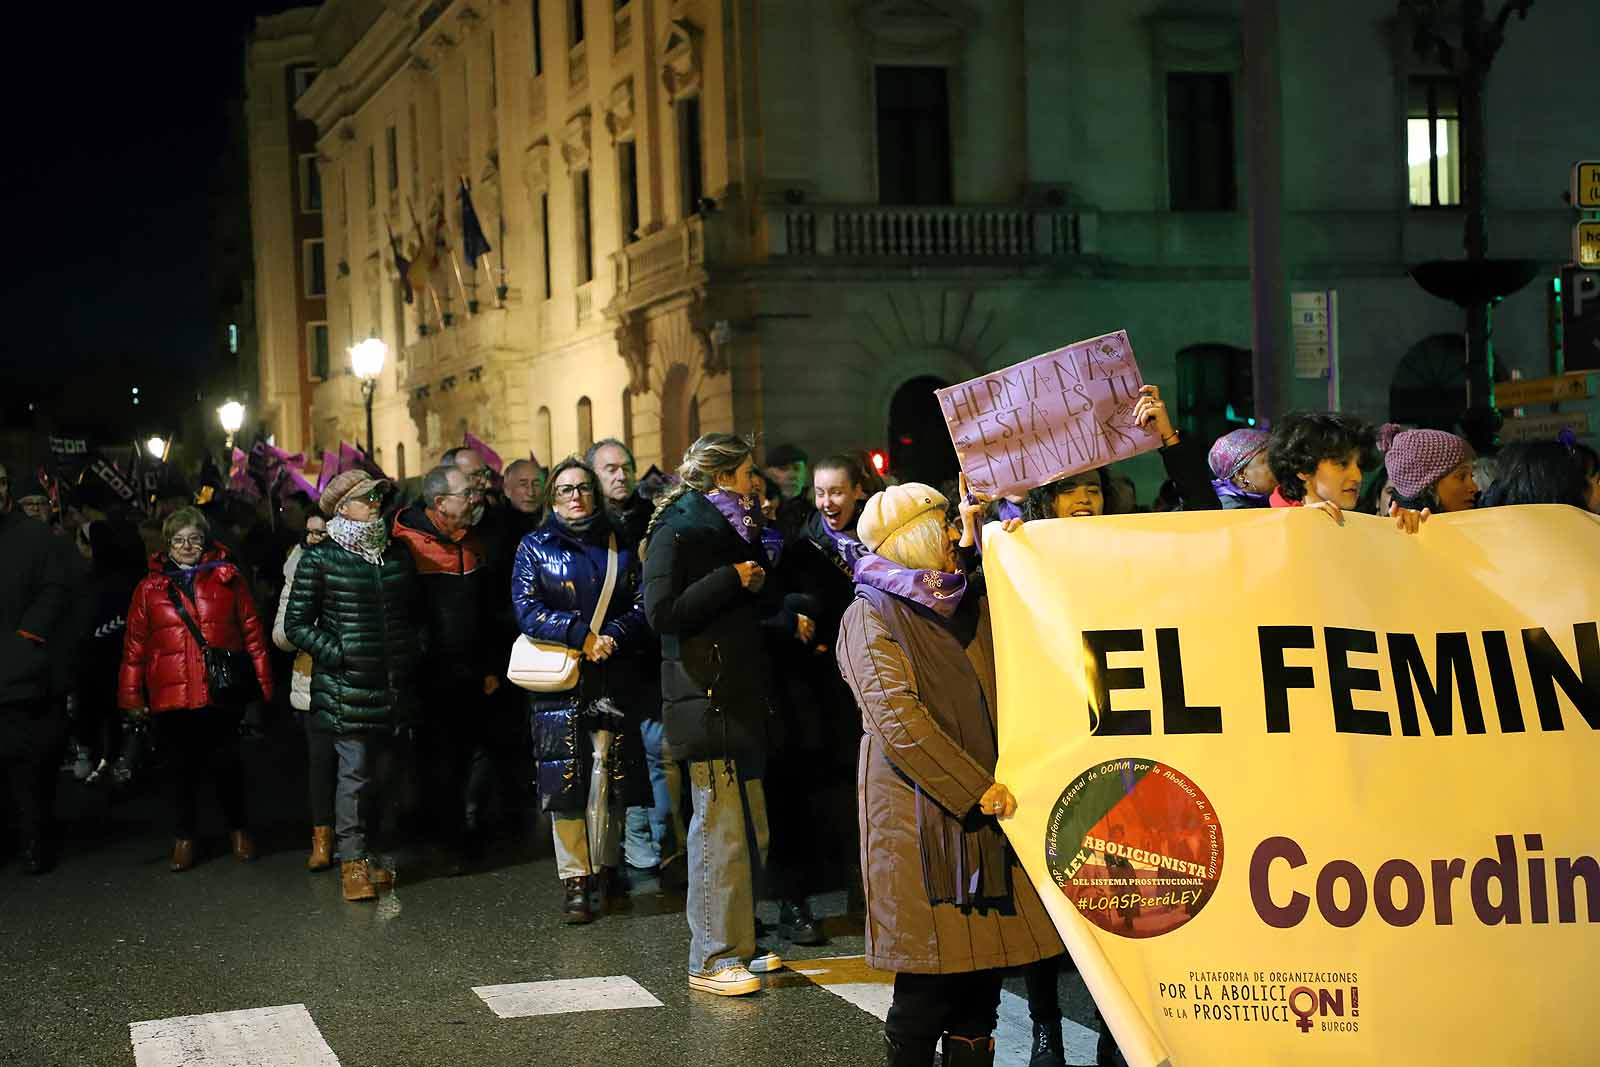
<point x="1066" y="411"/>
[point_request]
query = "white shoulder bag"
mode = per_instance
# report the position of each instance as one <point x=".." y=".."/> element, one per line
<point x="548" y="667"/>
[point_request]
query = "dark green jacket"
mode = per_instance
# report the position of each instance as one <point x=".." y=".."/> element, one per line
<point x="361" y="625"/>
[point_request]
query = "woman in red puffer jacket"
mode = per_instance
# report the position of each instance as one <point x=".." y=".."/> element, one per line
<point x="164" y="672"/>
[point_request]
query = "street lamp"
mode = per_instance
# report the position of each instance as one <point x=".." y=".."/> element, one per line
<point x="231" y="415"/>
<point x="366" y="360"/>
<point x="157" y="447"/>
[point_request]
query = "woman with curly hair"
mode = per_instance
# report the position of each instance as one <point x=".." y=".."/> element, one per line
<point x="1317" y="458"/>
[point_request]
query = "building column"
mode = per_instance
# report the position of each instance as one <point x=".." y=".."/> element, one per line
<point x="1269" y="296"/>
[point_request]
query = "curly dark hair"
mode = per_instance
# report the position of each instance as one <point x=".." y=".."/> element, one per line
<point x="1541" y="472"/>
<point x="1305" y="438"/>
<point x="1041" y="501"/>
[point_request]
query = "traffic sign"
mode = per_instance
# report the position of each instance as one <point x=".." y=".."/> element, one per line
<point x="1525" y="391"/>
<point x="1586" y="186"/>
<point x="1580" y="319"/>
<point x="1586" y="243"/>
<point x="1544" y="427"/>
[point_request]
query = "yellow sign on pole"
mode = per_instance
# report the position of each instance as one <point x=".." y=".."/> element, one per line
<point x="1527" y="391"/>
<point x="1586" y="244"/>
<point x="1586" y="186"/>
<point x="1296" y="792"/>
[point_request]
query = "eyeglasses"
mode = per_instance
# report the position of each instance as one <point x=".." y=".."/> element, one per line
<point x="188" y="542"/>
<point x="374" y="497"/>
<point x="567" y="492"/>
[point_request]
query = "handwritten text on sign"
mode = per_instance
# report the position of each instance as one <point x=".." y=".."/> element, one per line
<point x="1066" y="411"/>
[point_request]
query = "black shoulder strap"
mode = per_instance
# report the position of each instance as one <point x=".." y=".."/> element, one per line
<point x="183" y="613"/>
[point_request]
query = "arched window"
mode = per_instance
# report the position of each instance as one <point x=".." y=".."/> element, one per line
<point x="543" y="442"/>
<point x="627" y="418"/>
<point x="585" y="424"/>
<point x="400" y="462"/>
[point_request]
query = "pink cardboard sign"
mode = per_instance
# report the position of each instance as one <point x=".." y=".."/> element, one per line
<point x="1066" y="411"/>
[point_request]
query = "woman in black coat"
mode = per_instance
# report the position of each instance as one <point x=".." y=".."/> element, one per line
<point x="706" y="594"/>
<point x="556" y="586"/>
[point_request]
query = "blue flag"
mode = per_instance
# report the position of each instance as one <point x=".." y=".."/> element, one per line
<point x="474" y="243"/>
<point x="402" y="265"/>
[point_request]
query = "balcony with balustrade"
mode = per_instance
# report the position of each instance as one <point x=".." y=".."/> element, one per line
<point x="926" y="236"/>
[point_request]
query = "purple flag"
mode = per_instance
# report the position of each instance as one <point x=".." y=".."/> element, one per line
<point x="490" y="456"/>
<point x="239" y="480"/>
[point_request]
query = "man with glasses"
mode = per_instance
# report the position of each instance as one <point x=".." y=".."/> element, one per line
<point x="454" y="573"/>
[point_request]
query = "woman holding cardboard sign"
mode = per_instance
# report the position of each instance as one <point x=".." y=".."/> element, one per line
<point x="948" y="906"/>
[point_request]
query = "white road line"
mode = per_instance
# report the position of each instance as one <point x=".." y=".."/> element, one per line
<point x="283" y="1036"/>
<point x="523" y="999"/>
<point x="849" y="978"/>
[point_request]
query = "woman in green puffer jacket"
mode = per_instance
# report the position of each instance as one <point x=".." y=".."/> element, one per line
<point x="354" y="608"/>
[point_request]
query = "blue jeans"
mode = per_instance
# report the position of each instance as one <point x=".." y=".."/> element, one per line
<point x="655" y="834"/>
<point x="727" y="848"/>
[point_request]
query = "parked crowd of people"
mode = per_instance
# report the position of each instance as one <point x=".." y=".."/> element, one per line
<point x="678" y="668"/>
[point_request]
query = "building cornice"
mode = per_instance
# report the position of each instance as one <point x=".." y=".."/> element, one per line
<point x="342" y="90"/>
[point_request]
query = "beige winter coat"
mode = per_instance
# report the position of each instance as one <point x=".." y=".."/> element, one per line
<point x="300" y="679"/>
<point x="927" y="707"/>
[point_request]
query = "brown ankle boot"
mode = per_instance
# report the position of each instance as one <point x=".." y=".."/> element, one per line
<point x="321" y="849"/>
<point x="575" y="901"/>
<point x="357" y="886"/>
<point x="244" y="846"/>
<point x="182" y="855"/>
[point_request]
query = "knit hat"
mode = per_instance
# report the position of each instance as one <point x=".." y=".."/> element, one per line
<point x="1233" y="451"/>
<point x="355" y="483"/>
<point x="1417" y="459"/>
<point x="894" y="508"/>
<point x="783" y="455"/>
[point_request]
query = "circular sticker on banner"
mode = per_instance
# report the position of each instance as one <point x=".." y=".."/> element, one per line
<point x="1136" y="846"/>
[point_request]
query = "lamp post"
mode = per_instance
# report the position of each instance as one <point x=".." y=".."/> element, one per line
<point x="231" y="415"/>
<point x="157" y="447"/>
<point x="366" y="360"/>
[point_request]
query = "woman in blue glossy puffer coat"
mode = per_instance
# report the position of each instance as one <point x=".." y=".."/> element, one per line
<point x="555" y="586"/>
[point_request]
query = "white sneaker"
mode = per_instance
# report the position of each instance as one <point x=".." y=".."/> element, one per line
<point x="728" y="982"/>
<point x="766" y="962"/>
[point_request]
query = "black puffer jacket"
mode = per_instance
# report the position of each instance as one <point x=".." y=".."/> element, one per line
<point x="37" y="601"/>
<point x="361" y="623"/>
<point x="714" y="668"/>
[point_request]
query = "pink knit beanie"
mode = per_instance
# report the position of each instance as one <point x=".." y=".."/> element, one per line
<point x="1416" y="459"/>
<point x="1232" y="452"/>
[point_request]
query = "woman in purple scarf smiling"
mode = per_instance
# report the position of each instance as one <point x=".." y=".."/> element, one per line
<point x="949" y="907"/>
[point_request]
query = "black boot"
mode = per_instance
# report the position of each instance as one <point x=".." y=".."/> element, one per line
<point x="796" y="925"/>
<point x="1047" y="1050"/>
<point x="908" y="1053"/>
<point x="1106" y="1052"/>
<point x="967" y="1051"/>
<point x="36" y="858"/>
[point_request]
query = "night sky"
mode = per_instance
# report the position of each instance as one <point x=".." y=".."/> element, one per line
<point x="116" y="125"/>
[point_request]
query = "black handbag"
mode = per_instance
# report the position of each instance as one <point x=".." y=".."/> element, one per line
<point x="230" y="675"/>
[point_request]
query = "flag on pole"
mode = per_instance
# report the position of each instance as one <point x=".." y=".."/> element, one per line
<point x="402" y="265"/>
<point x="473" y="241"/>
<point x="330" y="468"/>
<point x="490" y="456"/>
<point x="239" y="480"/>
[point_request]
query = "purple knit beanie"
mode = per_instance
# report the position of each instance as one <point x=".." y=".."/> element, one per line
<point x="1416" y="459"/>
<point x="1233" y="451"/>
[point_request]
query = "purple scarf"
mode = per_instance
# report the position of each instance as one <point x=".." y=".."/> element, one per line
<point x="1005" y="510"/>
<point x="1226" y="490"/>
<point x="740" y="511"/>
<point x="939" y="591"/>
<point x="845" y="545"/>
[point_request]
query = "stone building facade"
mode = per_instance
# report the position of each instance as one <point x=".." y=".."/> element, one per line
<point x="796" y="218"/>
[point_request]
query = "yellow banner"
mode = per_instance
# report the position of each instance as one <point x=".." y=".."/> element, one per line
<point x="1300" y="793"/>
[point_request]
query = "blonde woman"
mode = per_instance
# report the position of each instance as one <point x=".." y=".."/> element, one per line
<point x="706" y="592"/>
<point x="948" y="905"/>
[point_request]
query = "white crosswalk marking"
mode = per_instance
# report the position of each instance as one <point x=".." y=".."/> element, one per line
<point x="849" y="978"/>
<point x="523" y="999"/>
<point x="283" y="1036"/>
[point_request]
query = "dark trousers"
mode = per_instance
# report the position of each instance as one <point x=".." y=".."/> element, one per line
<point x="496" y="763"/>
<point x="928" y="1005"/>
<point x="322" y="771"/>
<point x="1044" y="990"/>
<point x="451" y="722"/>
<point x="202" y="743"/>
<point x="797" y="854"/>
<point x="32" y="737"/>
